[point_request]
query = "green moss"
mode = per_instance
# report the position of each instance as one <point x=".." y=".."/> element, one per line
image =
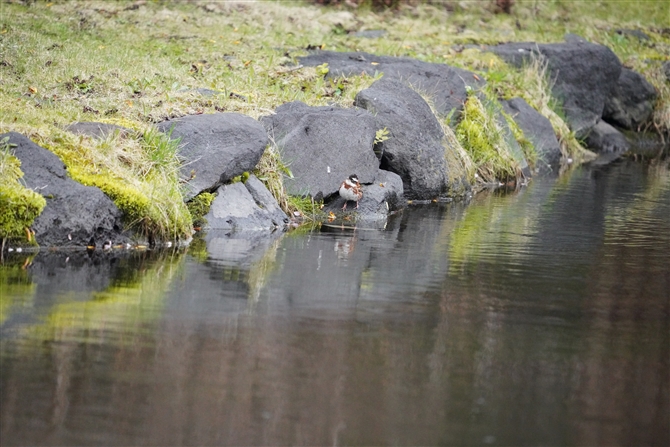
<point x="241" y="178"/>
<point x="143" y="183"/>
<point x="134" y="204"/>
<point x="19" y="206"/>
<point x="199" y="207"/>
<point x="483" y="139"/>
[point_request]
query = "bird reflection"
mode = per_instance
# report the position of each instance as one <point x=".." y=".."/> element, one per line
<point x="344" y="246"/>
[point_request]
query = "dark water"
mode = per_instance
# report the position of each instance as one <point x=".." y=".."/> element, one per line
<point x="540" y="317"/>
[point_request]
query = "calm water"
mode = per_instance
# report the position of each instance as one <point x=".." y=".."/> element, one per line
<point x="540" y="317"/>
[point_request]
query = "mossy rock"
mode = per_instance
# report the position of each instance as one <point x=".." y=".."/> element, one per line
<point x="19" y="206"/>
<point x="483" y="138"/>
<point x="18" y="209"/>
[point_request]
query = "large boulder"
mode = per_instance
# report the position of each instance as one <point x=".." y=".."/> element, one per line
<point x="539" y="131"/>
<point x="445" y="85"/>
<point x="584" y="74"/>
<point x="416" y="148"/>
<point x="74" y="213"/>
<point x="245" y="206"/>
<point x="322" y="146"/>
<point x="215" y="148"/>
<point x="631" y="102"/>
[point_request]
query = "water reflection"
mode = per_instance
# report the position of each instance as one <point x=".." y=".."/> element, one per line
<point x="76" y="295"/>
<point x="540" y="317"/>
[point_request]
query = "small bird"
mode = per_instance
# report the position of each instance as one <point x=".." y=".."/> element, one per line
<point x="350" y="189"/>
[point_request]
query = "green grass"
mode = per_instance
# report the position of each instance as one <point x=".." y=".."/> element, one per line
<point x="483" y="138"/>
<point x="62" y="62"/>
<point x="139" y="174"/>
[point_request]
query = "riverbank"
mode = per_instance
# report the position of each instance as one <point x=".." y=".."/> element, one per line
<point x="138" y="64"/>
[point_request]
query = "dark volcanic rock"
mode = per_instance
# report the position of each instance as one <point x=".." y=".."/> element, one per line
<point x="539" y="131"/>
<point x="245" y="207"/>
<point x="216" y="148"/>
<point x="97" y="130"/>
<point x="266" y="201"/>
<point x="322" y="146"/>
<point x="416" y="148"/>
<point x="631" y="102"/>
<point x="604" y="138"/>
<point x="74" y="213"/>
<point x="382" y="197"/>
<point x="585" y="75"/>
<point x="444" y="84"/>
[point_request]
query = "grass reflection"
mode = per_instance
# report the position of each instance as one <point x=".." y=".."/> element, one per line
<point x="16" y="288"/>
<point x="491" y="224"/>
<point x="104" y="299"/>
<point x="650" y="205"/>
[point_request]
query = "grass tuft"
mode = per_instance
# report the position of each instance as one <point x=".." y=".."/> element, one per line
<point x="660" y="121"/>
<point x="483" y="138"/>
<point x="535" y="87"/>
<point x="459" y="161"/>
<point x="528" y="149"/>
<point x="140" y="174"/>
<point x="271" y="171"/>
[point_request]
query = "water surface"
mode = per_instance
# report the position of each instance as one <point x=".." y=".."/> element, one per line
<point x="537" y="317"/>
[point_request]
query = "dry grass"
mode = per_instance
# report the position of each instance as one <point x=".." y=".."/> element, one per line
<point x="535" y="87"/>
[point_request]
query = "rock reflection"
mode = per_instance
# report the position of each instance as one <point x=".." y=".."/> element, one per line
<point x="79" y="296"/>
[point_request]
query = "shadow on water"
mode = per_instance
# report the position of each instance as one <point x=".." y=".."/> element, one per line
<point x="538" y="317"/>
